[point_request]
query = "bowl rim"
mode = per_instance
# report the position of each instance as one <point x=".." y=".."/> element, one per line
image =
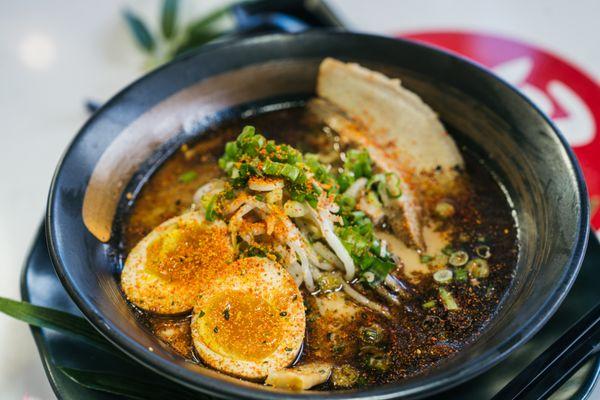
<point x="427" y="386"/>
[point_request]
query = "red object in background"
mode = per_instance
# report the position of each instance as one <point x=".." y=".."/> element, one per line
<point x="563" y="91"/>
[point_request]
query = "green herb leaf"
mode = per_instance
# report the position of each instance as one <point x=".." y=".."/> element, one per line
<point x="187" y="177"/>
<point x="139" y="31"/>
<point x="201" y="24"/>
<point x="169" y="18"/>
<point x="202" y="31"/>
<point x="43" y="317"/>
<point x="126" y="385"/>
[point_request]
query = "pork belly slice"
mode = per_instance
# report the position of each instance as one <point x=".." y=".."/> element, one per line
<point x="401" y="132"/>
<point x="395" y="117"/>
<point x="404" y="212"/>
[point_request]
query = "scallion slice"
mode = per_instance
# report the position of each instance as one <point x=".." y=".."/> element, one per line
<point x="458" y="258"/>
<point x="478" y="268"/>
<point x="443" y="276"/>
<point x="448" y="300"/>
<point x="392" y="182"/>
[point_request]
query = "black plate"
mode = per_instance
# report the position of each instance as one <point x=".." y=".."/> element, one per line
<point x="40" y="285"/>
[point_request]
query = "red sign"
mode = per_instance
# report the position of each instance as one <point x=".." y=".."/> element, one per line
<point x="562" y="90"/>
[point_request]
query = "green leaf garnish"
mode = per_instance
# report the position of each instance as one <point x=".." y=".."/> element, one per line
<point x="43" y="317"/>
<point x="140" y="32"/>
<point x="169" y="18"/>
<point x="187" y="177"/>
<point x="202" y="31"/>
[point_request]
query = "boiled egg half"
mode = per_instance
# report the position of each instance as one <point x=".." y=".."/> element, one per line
<point x="251" y="320"/>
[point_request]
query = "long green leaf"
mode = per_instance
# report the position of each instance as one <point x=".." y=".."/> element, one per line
<point x="139" y="31"/>
<point x="201" y="31"/>
<point x="169" y="18"/>
<point x="194" y="41"/>
<point x="128" y="386"/>
<point x="201" y="24"/>
<point x="43" y="317"/>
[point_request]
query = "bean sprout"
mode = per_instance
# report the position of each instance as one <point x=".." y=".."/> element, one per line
<point x="365" y="301"/>
<point x="355" y="188"/>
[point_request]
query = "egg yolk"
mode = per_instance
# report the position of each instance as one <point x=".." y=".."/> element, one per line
<point x="241" y="325"/>
<point x="184" y="250"/>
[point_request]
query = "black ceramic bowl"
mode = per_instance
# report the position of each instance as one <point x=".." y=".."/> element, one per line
<point x="136" y="129"/>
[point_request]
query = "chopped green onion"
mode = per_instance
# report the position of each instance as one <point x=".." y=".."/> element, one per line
<point x="425" y="258"/>
<point x="372" y="199"/>
<point x="376" y="266"/>
<point x="429" y="304"/>
<point x="448" y="250"/>
<point x="344" y="376"/>
<point x="461" y="274"/>
<point x="346" y="203"/>
<point x="345" y="180"/>
<point x="458" y="258"/>
<point x="371" y="334"/>
<point x="392" y="182"/>
<point x="284" y="170"/>
<point x="187" y="177"/>
<point x="247" y="132"/>
<point x="483" y="251"/>
<point x="294" y="209"/>
<point x="369" y="277"/>
<point x="232" y="150"/>
<point x="358" y="162"/>
<point x="448" y="299"/>
<point x="274" y="196"/>
<point x="478" y="268"/>
<point x="375" y="359"/>
<point x="440" y="260"/>
<point x="443" y="276"/>
<point x="329" y="282"/>
<point x="375" y="179"/>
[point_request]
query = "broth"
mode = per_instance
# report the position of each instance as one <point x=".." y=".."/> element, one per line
<point x="421" y="332"/>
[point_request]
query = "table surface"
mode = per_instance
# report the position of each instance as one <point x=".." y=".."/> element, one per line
<point x="54" y="55"/>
